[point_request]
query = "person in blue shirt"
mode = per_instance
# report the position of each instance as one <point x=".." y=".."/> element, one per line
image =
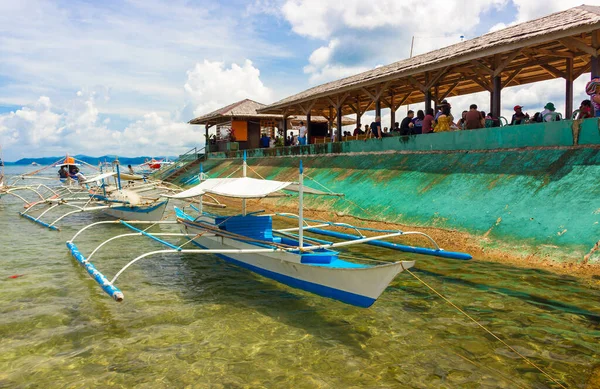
<point x="264" y="141"/>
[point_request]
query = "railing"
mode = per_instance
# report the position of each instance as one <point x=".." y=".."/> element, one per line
<point x="190" y="156"/>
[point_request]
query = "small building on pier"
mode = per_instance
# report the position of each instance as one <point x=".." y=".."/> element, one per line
<point x="240" y="126"/>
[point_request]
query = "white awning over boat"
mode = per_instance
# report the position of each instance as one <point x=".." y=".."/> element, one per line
<point x="100" y="177"/>
<point x="242" y="187"/>
<point x="103" y="176"/>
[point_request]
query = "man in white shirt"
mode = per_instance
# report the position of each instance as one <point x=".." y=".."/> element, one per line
<point x="302" y="135"/>
<point x="548" y="112"/>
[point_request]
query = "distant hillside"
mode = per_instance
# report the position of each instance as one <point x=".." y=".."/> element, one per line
<point x="91" y="160"/>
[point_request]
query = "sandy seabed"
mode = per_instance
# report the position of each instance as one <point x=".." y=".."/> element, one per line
<point x="452" y="240"/>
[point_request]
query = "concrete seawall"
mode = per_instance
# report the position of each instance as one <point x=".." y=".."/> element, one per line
<point x="532" y="188"/>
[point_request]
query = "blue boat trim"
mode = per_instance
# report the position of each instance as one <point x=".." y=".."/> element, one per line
<point x="395" y="246"/>
<point x="150" y="236"/>
<point x="321" y="290"/>
<point x="39" y="221"/>
<point x="111" y="290"/>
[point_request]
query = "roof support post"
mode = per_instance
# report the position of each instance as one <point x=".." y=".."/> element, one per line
<point x="330" y="122"/>
<point x="427" y="100"/>
<point x="207" y="141"/>
<point x="496" y="96"/>
<point x="392" y="112"/>
<point x="308" y="128"/>
<point x="569" y="89"/>
<point x="339" y="123"/>
<point x="378" y="108"/>
<point x="285" y="129"/>
<point x="594" y="58"/>
<point x="358" y="112"/>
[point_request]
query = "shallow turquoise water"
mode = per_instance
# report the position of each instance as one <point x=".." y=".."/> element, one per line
<point x="197" y="322"/>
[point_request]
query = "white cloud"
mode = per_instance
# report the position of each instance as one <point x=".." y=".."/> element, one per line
<point x="528" y="10"/>
<point x="76" y="128"/>
<point x="322" y="70"/>
<point x="210" y="85"/>
<point x="361" y="34"/>
<point x="31" y="127"/>
<point x="138" y="51"/>
<point x="42" y="130"/>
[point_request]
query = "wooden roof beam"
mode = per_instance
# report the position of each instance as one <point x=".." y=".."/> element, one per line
<point x="447" y="93"/>
<point x="482" y="77"/>
<point x="506" y="62"/>
<point x="309" y="106"/>
<point x="586" y="68"/>
<point x="417" y="84"/>
<point x="553" y="71"/>
<point x="577" y="45"/>
<point x="511" y="77"/>
<point x="378" y="91"/>
<point x="550" y="53"/>
<point x="434" y="80"/>
<point x="481" y="83"/>
<point x="480" y="66"/>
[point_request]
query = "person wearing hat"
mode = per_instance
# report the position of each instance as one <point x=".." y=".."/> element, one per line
<point x="518" y="117"/>
<point x="547" y="112"/>
<point x="593" y="90"/>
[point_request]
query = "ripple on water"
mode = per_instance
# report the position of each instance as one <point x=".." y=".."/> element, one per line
<point x="190" y="321"/>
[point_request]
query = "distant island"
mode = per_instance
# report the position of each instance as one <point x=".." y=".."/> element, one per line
<point x="85" y="158"/>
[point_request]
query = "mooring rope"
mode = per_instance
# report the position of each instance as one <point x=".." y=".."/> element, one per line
<point x="487" y="330"/>
<point x="255" y="172"/>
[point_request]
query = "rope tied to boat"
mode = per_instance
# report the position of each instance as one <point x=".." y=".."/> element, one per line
<point x="530" y="362"/>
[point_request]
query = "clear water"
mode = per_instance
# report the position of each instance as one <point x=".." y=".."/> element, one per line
<point x="192" y="321"/>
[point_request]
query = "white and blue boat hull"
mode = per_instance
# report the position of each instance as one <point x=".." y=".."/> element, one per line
<point x="359" y="286"/>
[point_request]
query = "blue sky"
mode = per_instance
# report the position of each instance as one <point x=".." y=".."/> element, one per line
<point x="88" y="77"/>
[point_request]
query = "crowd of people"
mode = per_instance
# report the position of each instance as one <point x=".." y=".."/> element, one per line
<point x="442" y="120"/>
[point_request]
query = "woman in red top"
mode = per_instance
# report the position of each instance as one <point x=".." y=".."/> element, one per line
<point x="427" y="122"/>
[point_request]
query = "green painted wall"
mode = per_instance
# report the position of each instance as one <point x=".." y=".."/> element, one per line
<point x="563" y="133"/>
<point x="543" y="199"/>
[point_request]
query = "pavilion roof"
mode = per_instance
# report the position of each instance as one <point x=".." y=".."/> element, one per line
<point x="243" y="109"/>
<point x="554" y="46"/>
<point x="246" y="109"/>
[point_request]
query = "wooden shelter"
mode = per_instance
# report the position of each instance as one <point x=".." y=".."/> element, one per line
<point x="561" y="45"/>
<point x="247" y="124"/>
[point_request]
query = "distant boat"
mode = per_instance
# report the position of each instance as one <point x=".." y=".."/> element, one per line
<point x="35" y="164"/>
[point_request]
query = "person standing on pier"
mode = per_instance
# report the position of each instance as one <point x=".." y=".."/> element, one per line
<point x="593" y="90"/>
<point x="427" y="125"/>
<point x="407" y="124"/>
<point x="473" y="119"/>
<point x="302" y="134"/>
<point x="376" y="128"/>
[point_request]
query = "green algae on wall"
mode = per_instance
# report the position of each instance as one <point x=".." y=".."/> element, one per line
<point x="543" y="197"/>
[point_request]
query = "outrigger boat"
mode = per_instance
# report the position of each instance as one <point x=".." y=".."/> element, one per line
<point x="137" y="199"/>
<point x="39" y="191"/>
<point x="249" y="241"/>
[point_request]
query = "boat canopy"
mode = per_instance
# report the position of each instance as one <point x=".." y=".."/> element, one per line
<point x="103" y="176"/>
<point x="100" y="177"/>
<point x="242" y="187"/>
